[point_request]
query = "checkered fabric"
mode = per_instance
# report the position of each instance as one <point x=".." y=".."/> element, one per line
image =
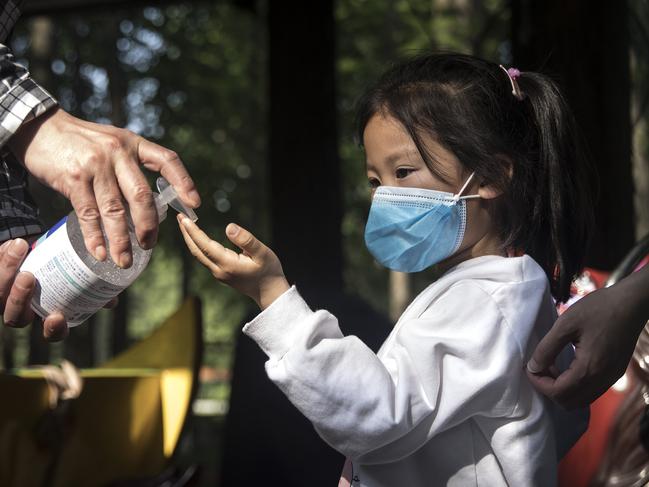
<point x="21" y="100"/>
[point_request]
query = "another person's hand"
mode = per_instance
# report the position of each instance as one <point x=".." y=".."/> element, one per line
<point x="604" y="328"/>
<point x="16" y="290"/>
<point x="256" y="272"/>
<point x="97" y="167"/>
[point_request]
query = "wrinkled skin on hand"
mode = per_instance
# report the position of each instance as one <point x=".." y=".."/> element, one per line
<point x="98" y="168"/>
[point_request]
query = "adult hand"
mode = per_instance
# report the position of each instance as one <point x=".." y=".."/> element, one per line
<point x="16" y="292"/>
<point x="17" y="289"/>
<point x="97" y="167"/>
<point x="604" y="328"/>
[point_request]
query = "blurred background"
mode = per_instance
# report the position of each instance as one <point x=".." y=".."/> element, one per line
<point x="258" y="99"/>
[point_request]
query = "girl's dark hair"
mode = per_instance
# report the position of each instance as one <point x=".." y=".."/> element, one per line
<point x="530" y="149"/>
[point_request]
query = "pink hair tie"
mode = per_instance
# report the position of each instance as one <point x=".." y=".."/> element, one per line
<point x="513" y="74"/>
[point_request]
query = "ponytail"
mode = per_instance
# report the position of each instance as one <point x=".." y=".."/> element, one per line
<point x="562" y="205"/>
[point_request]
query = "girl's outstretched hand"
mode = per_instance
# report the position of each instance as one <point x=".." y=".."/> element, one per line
<point x="256" y="271"/>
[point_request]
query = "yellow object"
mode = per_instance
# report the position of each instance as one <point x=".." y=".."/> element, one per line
<point x="126" y="422"/>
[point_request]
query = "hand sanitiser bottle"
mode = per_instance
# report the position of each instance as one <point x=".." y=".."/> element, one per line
<point x="70" y="280"/>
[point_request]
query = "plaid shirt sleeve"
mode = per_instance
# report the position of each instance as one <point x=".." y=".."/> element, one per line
<point x="21" y="100"/>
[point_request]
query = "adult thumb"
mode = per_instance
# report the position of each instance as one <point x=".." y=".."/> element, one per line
<point x="245" y="240"/>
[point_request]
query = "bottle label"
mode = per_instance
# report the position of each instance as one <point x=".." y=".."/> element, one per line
<point x="63" y="282"/>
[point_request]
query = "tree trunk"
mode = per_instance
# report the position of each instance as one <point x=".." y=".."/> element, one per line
<point x="304" y="167"/>
<point x="305" y="189"/>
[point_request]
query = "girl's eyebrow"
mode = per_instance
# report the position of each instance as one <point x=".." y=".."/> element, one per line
<point x="396" y="156"/>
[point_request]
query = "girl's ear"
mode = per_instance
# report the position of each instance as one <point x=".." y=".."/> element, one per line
<point x="489" y="191"/>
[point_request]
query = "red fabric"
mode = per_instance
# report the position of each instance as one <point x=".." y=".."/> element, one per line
<point x="580" y="464"/>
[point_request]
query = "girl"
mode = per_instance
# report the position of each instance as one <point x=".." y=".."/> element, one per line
<point x="475" y="169"/>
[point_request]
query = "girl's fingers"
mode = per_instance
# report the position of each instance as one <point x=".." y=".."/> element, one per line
<point x="196" y="252"/>
<point x="213" y="250"/>
<point x="246" y="241"/>
<point x="208" y="246"/>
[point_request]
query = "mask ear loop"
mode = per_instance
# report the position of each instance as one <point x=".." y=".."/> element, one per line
<point x="459" y="196"/>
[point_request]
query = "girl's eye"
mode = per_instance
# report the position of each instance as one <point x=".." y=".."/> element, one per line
<point x="374" y="183"/>
<point x="402" y="172"/>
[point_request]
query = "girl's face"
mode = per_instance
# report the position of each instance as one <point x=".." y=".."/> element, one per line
<point x="392" y="159"/>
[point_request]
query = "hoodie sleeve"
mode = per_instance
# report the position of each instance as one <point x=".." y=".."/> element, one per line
<point x="434" y="371"/>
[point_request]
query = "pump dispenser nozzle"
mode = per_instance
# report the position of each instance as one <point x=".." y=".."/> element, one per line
<point x="167" y="196"/>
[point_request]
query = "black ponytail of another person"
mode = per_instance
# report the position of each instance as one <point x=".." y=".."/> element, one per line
<point x="528" y="147"/>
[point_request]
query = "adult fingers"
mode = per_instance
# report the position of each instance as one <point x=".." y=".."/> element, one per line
<point x="18" y="312"/>
<point x="12" y="254"/>
<point x="113" y="216"/>
<point x="246" y="241"/>
<point x="55" y="328"/>
<point x="159" y="159"/>
<point x="137" y="193"/>
<point x="85" y="206"/>
<point x="542" y="383"/>
<point x="570" y="389"/>
<point x="551" y="345"/>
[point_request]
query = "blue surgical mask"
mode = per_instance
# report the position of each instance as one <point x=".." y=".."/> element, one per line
<point x="411" y="229"/>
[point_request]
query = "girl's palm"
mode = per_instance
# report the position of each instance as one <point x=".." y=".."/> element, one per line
<point x="256" y="271"/>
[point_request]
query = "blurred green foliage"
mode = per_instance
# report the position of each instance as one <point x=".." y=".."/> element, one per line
<point x="639" y="37"/>
<point x="192" y="76"/>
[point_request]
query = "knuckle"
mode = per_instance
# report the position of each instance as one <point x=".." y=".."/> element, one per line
<point x="10" y="261"/>
<point x="92" y="157"/>
<point x="205" y="249"/>
<point x="170" y="155"/>
<point x="88" y="214"/>
<point x="112" y="142"/>
<point x="248" y="240"/>
<point x="17" y="300"/>
<point x="113" y="208"/>
<point x="24" y="283"/>
<point x="120" y="241"/>
<point x="143" y="195"/>
<point x="77" y="173"/>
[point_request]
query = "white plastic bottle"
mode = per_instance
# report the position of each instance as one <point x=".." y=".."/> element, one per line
<point x="70" y="280"/>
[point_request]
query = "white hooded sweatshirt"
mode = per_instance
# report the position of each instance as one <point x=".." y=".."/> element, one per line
<point x="446" y="401"/>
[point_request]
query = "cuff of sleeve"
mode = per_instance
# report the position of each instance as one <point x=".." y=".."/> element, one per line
<point x="24" y="102"/>
<point x="274" y="328"/>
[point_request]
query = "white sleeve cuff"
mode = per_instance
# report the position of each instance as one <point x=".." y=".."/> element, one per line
<point x="274" y="329"/>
